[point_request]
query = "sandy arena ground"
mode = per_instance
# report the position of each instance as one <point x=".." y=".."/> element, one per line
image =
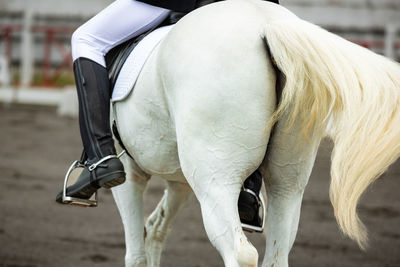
<point x="37" y="148"/>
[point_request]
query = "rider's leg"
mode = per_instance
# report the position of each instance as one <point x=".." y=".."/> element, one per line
<point x="249" y="202"/>
<point x="120" y="21"/>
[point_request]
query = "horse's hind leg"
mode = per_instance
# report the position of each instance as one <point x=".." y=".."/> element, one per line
<point x="222" y="224"/>
<point x="216" y="169"/>
<point x="158" y="225"/>
<point x="217" y="192"/>
<point x="129" y="199"/>
<point x="287" y="168"/>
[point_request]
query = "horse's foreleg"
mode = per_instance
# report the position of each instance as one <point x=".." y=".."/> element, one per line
<point x="286" y="168"/>
<point x="129" y="199"/>
<point x="158" y="225"/>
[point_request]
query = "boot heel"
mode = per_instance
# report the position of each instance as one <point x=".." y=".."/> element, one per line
<point x="114" y="182"/>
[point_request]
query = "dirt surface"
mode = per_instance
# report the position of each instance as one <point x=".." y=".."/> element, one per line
<point x="37" y="147"/>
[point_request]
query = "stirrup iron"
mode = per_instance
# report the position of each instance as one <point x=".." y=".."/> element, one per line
<point x="73" y="200"/>
<point x="261" y="203"/>
<point x="91" y="202"/>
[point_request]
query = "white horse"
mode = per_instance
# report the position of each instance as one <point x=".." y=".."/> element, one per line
<point x="201" y="115"/>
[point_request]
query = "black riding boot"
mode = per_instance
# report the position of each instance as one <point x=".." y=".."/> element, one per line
<point x="102" y="168"/>
<point x="249" y="202"/>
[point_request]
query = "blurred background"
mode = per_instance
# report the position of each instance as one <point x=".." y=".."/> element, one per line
<point x="35" y="35"/>
<point x="39" y="138"/>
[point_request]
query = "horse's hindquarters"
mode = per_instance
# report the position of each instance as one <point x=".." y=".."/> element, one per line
<point x="220" y="87"/>
<point x="202" y="103"/>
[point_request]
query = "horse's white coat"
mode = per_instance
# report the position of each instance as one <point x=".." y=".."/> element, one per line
<point x="198" y="114"/>
<point x="198" y="118"/>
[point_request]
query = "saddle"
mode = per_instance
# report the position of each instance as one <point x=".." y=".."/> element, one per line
<point x="117" y="56"/>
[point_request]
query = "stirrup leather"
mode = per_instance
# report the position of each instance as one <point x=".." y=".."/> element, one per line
<point x="91" y="202"/>
<point x="94" y="165"/>
<point x="261" y="202"/>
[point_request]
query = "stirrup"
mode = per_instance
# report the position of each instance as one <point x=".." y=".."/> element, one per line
<point x="73" y="200"/>
<point x="261" y="202"/>
<point x="92" y="201"/>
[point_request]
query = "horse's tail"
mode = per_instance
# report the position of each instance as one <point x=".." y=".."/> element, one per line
<point x="329" y="79"/>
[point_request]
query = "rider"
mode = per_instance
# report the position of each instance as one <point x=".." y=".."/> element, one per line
<point x="119" y="22"/>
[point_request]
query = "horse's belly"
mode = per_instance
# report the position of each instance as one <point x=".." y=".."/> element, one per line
<point x="159" y="158"/>
<point x="151" y="141"/>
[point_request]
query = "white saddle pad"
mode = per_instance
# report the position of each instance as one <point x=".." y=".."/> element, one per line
<point x="134" y="63"/>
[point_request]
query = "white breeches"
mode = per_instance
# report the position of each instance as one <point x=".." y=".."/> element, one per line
<point x="120" y="21"/>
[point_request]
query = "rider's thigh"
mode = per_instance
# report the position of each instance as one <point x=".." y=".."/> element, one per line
<point x="120" y="21"/>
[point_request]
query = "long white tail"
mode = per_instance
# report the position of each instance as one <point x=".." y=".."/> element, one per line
<point x="331" y="79"/>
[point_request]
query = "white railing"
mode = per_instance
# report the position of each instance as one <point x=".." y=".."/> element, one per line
<point x="391" y="32"/>
<point x="4" y="72"/>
